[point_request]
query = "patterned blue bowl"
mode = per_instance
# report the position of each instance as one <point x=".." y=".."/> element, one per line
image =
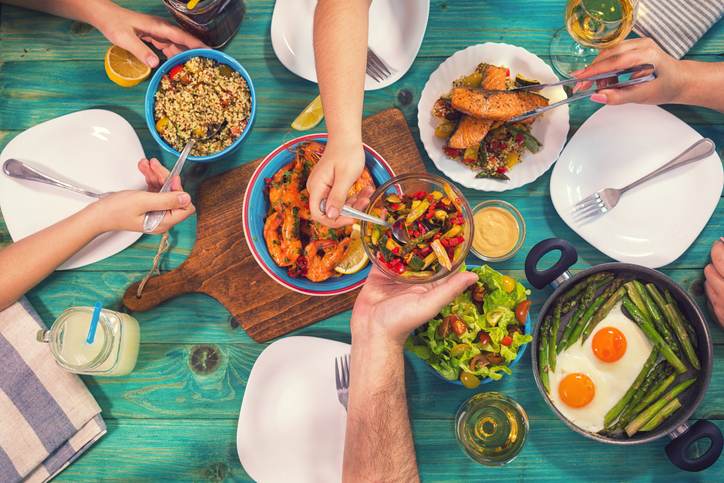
<point x="177" y="59"/>
<point x="521" y="351"/>
<point x="256" y="207"/>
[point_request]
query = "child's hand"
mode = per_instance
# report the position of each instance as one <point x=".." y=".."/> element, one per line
<point x="126" y="210"/>
<point x="128" y="29"/>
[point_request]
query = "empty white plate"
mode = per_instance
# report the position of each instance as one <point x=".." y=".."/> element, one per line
<point x="396" y="29"/>
<point x="551" y="129"/>
<point x="291" y="425"/>
<point x="656" y="222"/>
<point x="95" y="148"/>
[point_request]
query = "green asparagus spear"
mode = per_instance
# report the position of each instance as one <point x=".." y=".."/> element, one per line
<point x="635" y="297"/>
<point x="655" y="392"/>
<point x="648" y="328"/>
<point x="671" y="300"/>
<point x="612" y="295"/>
<point x="682" y="334"/>
<point x="543" y="353"/>
<point x="583" y="304"/>
<point x="639" y="421"/>
<point x="556" y="325"/>
<point x="615" y="411"/>
<point x="581" y="286"/>
<point x="654" y="377"/>
<point x="585" y="318"/>
<point x="665" y="412"/>
<point x="656" y="317"/>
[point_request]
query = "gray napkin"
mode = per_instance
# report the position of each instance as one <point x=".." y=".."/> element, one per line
<point x="676" y="25"/>
<point x="47" y="416"/>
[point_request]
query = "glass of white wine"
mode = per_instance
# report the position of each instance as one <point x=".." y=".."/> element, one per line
<point x="591" y="25"/>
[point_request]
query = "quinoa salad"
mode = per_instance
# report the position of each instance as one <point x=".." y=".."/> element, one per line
<point x="194" y="98"/>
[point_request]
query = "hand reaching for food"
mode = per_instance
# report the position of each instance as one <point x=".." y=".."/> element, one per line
<point x="714" y="283"/>
<point x="332" y="179"/>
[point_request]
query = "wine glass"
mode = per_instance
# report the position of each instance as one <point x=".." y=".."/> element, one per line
<point x="591" y="25"/>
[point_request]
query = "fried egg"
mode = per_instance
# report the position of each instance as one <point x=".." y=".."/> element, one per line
<point x="590" y="378"/>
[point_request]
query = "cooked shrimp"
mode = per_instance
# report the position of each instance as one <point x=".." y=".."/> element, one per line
<point x="284" y="252"/>
<point x="364" y="181"/>
<point x="322" y="256"/>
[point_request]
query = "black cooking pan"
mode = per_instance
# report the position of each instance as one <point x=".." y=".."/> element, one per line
<point x="682" y="435"/>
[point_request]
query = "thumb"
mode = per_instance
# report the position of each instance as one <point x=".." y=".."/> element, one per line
<point x="165" y="201"/>
<point x="139" y="49"/>
<point x="337" y="196"/>
<point x="442" y="293"/>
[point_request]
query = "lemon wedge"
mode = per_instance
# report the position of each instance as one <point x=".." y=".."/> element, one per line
<point x="310" y="116"/>
<point x="123" y="68"/>
<point x="356" y="258"/>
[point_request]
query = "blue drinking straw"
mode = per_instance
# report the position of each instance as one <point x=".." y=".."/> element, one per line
<point x="94" y="323"/>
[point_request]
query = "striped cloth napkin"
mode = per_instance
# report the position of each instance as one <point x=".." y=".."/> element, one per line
<point x="47" y="416"/>
<point x="676" y="25"/>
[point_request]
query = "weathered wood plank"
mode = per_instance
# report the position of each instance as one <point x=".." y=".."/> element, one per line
<point x="195" y="450"/>
<point x="176" y="381"/>
<point x="452" y="26"/>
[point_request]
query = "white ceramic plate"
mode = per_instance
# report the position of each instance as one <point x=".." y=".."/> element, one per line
<point x="94" y="148"/>
<point x="656" y="222"/>
<point x="396" y="29"/>
<point x="551" y="129"/>
<point x="291" y="425"/>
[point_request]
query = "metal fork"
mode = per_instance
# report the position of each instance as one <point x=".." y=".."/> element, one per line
<point x="376" y="68"/>
<point x="341" y="377"/>
<point x="606" y="199"/>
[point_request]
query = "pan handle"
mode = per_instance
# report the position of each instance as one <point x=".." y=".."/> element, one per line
<point x="540" y="278"/>
<point x="676" y="450"/>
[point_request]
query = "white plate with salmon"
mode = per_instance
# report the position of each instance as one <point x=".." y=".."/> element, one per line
<point x="464" y="109"/>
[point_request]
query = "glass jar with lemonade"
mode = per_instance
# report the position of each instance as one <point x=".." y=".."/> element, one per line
<point x="114" y="349"/>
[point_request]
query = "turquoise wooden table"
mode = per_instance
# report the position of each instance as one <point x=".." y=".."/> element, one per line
<point x="175" y="416"/>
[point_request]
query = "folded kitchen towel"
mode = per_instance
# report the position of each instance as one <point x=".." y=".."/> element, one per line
<point x="676" y="25"/>
<point x="47" y="416"/>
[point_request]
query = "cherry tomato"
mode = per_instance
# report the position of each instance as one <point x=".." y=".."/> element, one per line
<point x="469" y="380"/>
<point x="484" y="338"/>
<point x="521" y="311"/>
<point x="507" y="340"/>
<point x="477" y="362"/>
<point x="458" y="350"/>
<point x="175" y="70"/>
<point x="507" y="283"/>
<point x="456" y="324"/>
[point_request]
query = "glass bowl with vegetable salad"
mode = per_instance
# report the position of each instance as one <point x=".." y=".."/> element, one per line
<point x="437" y="219"/>
<point x="480" y="335"/>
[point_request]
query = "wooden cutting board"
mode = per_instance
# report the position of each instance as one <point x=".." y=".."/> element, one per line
<point x="221" y="266"/>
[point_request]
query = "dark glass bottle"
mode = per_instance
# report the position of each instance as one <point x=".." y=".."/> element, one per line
<point x="214" y="22"/>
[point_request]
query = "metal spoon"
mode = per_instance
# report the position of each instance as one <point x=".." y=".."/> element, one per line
<point x="399" y="231"/>
<point x="154" y="218"/>
<point x="17" y="169"/>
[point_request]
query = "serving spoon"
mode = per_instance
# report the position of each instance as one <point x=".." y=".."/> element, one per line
<point x="154" y="218"/>
<point x="399" y="231"/>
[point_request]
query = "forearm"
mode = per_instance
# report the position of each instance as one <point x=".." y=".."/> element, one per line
<point x="87" y="11"/>
<point x="702" y="84"/>
<point x="340" y="53"/>
<point x="378" y="442"/>
<point x="28" y="261"/>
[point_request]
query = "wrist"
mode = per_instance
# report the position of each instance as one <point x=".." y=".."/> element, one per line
<point x="100" y="14"/>
<point x="94" y="220"/>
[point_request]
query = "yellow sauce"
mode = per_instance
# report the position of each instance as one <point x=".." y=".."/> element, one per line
<point x="496" y="232"/>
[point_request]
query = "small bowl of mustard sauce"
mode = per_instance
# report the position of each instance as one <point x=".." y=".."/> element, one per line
<point x="499" y="231"/>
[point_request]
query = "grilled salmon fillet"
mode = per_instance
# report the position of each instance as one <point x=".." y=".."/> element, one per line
<point x="495" y="104"/>
<point x="471" y="131"/>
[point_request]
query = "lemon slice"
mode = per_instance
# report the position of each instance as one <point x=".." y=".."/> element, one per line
<point x="310" y="116"/>
<point x="123" y="68"/>
<point x="356" y="258"/>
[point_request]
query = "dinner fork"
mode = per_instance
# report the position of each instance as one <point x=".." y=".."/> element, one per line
<point x="341" y="376"/>
<point x="376" y="68"/>
<point x="606" y="199"/>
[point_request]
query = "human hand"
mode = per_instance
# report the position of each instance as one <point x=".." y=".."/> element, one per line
<point x="331" y="179"/>
<point x="128" y="29"/>
<point x="386" y="311"/>
<point x="665" y="89"/>
<point x="714" y="283"/>
<point x="125" y="210"/>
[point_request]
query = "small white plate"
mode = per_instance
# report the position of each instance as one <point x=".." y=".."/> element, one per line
<point x="655" y="223"/>
<point x="551" y="129"/>
<point x="95" y="148"/>
<point x="291" y="425"/>
<point x="396" y="29"/>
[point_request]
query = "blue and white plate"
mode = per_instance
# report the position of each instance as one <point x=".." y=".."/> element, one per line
<point x="256" y="208"/>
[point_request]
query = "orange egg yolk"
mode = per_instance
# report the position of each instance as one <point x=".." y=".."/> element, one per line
<point x="609" y="344"/>
<point x="576" y="390"/>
